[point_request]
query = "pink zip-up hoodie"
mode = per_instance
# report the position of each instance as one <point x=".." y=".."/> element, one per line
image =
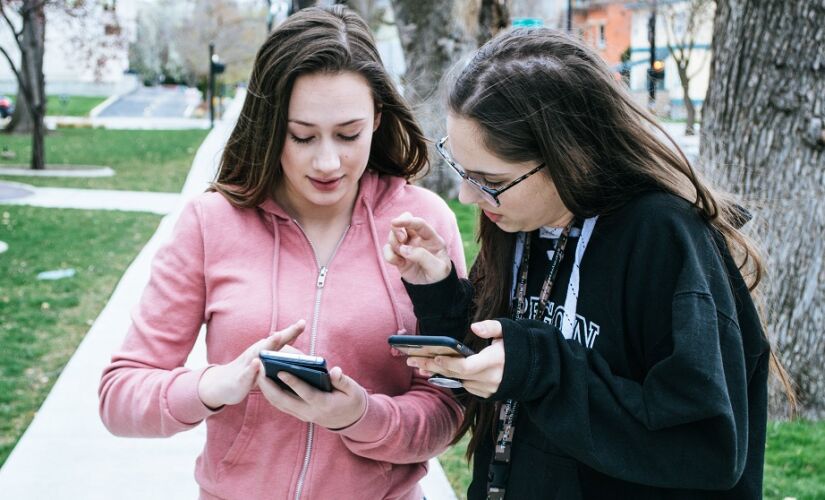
<point x="247" y="273"/>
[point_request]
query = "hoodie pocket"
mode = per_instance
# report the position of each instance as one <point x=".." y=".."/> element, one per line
<point x="245" y="434"/>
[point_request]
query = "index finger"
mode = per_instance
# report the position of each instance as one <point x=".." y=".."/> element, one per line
<point x="418" y="225"/>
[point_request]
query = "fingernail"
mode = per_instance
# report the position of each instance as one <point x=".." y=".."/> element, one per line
<point x="412" y="363"/>
<point x="405" y="250"/>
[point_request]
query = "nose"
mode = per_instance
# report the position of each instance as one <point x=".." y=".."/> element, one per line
<point x="467" y="194"/>
<point x="327" y="159"/>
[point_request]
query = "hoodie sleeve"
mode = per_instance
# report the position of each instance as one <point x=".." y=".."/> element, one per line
<point x="145" y="390"/>
<point x="419" y="424"/>
<point x="443" y="308"/>
<point x="684" y="422"/>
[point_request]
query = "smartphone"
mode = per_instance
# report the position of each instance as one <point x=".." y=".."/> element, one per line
<point x="429" y="346"/>
<point x="310" y="369"/>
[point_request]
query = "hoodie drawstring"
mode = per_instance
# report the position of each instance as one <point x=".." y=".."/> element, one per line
<point x="276" y="247"/>
<point x="382" y="266"/>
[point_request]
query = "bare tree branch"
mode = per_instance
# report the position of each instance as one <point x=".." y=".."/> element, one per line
<point x="11" y="25"/>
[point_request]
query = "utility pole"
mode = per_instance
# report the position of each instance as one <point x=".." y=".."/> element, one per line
<point x="651" y="35"/>
<point x="569" y="16"/>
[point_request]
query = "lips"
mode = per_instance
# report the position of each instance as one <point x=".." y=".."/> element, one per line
<point x="493" y="217"/>
<point x="326" y="184"/>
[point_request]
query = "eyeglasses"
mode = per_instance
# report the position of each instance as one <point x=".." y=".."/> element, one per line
<point x="489" y="194"/>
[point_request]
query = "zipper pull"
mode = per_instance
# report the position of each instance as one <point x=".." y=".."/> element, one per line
<point x="322" y="276"/>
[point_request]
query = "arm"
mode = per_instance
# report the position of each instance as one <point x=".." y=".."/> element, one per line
<point x="420" y="423"/>
<point x="145" y="390"/>
<point x="433" y="271"/>
<point x="683" y="423"/>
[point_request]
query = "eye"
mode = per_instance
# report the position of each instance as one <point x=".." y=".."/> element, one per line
<point x="491" y="184"/>
<point x="349" y="138"/>
<point x="301" y="140"/>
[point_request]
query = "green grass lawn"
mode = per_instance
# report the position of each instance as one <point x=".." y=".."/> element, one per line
<point x="144" y="160"/>
<point x="73" y="105"/>
<point x="42" y="322"/>
<point x="794" y="456"/>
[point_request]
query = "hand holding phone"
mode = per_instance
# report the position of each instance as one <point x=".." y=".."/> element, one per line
<point x="310" y="369"/>
<point x="430" y="346"/>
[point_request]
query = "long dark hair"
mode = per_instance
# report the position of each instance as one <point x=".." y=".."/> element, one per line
<point x="541" y="95"/>
<point x="314" y="40"/>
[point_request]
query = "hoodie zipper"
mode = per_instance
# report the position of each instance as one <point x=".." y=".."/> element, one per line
<point x="319" y="288"/>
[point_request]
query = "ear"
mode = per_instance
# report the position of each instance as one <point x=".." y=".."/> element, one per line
<point x="377" y="121"/>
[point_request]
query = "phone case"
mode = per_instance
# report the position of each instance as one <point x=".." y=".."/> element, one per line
<point x="315" y="376"/>
<point x="429" y="345"/>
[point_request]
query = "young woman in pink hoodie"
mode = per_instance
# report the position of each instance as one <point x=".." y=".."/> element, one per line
<point x="286" y="249"/>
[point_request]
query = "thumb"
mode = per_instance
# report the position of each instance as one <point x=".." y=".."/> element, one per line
<point x="342" y="382"/>
<point x="488" y="329"/>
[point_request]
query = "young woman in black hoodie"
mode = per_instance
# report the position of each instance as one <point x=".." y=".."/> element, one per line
<point x="620" y="354"/>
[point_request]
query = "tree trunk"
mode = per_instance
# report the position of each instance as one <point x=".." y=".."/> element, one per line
<point x="432" y="41"/>
<point x="762" y="139"/>
<point x="31" y="103"/>
<point x="493" y="17"/>
<point x="690" y="109"/>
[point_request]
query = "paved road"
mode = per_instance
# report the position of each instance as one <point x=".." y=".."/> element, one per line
<point x="157" y="102"/>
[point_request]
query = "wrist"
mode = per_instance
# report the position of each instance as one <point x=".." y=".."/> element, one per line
<point x="354" y="416"/>
<point x="209" y="396"/>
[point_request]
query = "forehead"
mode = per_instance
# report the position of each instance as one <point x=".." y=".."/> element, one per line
<point x="323" y="98"/>
<point x="467" y="148"/>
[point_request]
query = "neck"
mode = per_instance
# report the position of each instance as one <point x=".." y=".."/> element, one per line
<point x="309" y="215"/>
<point x="560" y="220"/>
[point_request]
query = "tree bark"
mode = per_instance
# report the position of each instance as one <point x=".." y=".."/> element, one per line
<point x="690" y="109"/>
<point x="762" y="139"/>
<point x="433" y="42"/>
<point x="31" y="103"/>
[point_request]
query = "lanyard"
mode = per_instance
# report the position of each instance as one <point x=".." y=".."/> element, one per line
<point x="500" y="464"/>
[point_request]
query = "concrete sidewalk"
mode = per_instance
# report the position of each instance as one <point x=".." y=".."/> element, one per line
<point x="93" y="199"/>
<point x="67" y="453"/>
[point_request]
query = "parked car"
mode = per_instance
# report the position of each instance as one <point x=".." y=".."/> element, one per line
<point x="6" y="107"/>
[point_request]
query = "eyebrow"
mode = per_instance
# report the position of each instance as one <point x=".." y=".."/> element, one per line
<point x="342" y="124"/>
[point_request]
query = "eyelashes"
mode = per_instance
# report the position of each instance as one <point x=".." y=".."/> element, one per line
<point x="307" y="140"/>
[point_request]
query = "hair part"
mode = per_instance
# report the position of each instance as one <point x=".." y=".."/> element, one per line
<point x="542" y="95"/>
<point x="315" y="40"/>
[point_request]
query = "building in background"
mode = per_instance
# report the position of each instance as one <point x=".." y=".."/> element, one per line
<point x="671" y="29"/>
<point x="605" y="26"/>
<point x="87" y="55"/>
<point x="619" y="31"/>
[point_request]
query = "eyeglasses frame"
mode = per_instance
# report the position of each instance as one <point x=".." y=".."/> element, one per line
<point x="493" y="193"/>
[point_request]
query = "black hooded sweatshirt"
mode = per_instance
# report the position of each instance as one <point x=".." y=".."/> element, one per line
<point x="661" y="392"/>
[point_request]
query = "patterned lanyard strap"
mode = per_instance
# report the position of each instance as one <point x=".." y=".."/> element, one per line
<point x="500" y="465"/>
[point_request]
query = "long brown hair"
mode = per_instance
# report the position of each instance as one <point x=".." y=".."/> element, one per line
<point x="541" y="95"/>
<point x="314" y="40"/>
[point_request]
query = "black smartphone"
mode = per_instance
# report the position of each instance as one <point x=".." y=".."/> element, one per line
<point x="429" y="346"/>
<point x="310" y="369"/>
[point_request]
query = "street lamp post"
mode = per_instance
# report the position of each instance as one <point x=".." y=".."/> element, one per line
<point x="211" y="85"/>
<point x="215" y="67"/>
